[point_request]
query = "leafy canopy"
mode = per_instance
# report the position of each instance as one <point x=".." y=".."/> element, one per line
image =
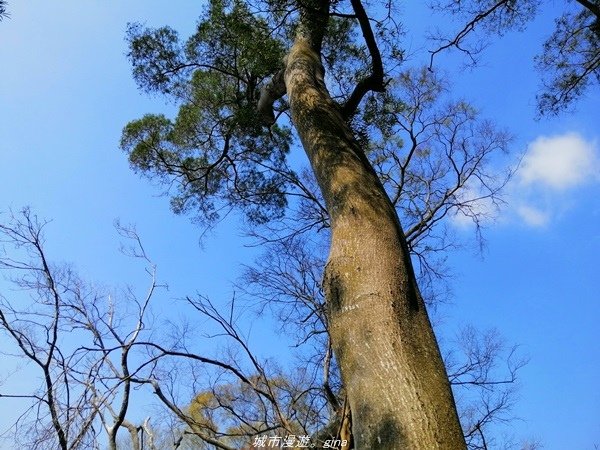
<point x="216" y="148"/>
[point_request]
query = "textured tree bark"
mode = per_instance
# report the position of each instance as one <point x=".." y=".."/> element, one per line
<point x="390" y="363"/>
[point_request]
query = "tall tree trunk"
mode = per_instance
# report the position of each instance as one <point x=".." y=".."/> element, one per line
<point x="390" y="363"/>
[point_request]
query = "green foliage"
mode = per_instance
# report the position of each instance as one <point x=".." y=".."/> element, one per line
<point x="212" y="167"/>
<point x="215" y="152"/>
<point x="155" y="56"/>
<point x="570" y="61"/>
<point x="229" y="40"/>
<point x="236" y="40"/>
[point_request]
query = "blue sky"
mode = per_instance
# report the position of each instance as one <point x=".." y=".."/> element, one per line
<point x="66" y="92"/>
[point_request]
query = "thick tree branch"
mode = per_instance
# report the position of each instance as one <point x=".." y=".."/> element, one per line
<point x="374" y="82"/>
<point x="269" y="94"/>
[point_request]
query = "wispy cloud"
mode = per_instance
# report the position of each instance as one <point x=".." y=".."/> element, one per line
<point x="533" y="216"/>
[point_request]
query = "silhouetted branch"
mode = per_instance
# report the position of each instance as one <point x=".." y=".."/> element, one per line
<point x="374" y="82"/>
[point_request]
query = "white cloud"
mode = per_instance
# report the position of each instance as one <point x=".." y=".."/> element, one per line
<point x="559" y="162"/>
<point x="533" y="216"/>
<point x="542" y="189"/>
<point x="552" y="167"/>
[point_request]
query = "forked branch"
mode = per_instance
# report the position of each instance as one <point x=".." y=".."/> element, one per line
<point x="374" y="82"/>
